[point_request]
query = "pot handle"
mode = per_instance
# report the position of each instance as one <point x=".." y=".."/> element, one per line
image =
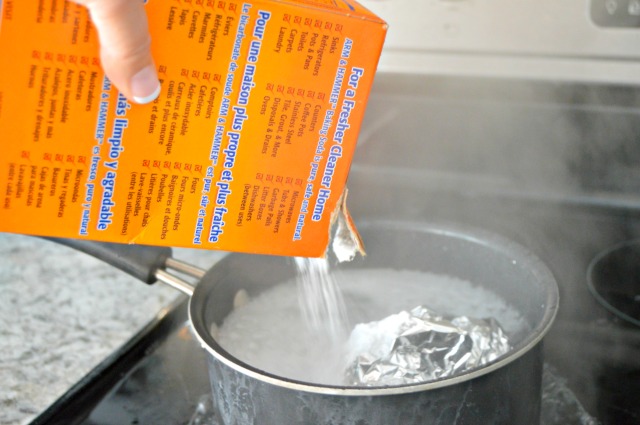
<point x="140" y="261"/>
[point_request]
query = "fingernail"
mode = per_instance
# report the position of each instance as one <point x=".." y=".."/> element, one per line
<point x="145" y="86"/>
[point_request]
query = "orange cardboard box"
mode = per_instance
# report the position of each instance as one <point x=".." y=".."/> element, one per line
<point x="247" y="148"/>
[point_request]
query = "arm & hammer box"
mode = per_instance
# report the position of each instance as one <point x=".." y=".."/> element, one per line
<point x="246" y="149"/>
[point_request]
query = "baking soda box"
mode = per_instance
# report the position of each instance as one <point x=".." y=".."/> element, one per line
<point x="247" y="148"/>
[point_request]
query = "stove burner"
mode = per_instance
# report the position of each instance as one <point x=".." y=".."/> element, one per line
<point x="613" y="277"/>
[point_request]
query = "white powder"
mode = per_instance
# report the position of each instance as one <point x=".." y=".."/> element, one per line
<point x="271" y="333"/>
<point x="320" y="299"/>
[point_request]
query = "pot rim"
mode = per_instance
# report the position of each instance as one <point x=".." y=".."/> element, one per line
<point x="496" y="242"/>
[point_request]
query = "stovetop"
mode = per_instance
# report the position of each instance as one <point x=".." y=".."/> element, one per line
<point x="551" y="167"/>
<point x="594" y="356"/>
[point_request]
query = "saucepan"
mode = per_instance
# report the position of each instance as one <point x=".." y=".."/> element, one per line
<point x="504" y="391"/>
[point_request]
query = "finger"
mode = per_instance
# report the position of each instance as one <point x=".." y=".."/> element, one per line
<point x="125" y="47"/>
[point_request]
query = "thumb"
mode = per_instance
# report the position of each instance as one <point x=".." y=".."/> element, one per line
<point x="125" y="47"/>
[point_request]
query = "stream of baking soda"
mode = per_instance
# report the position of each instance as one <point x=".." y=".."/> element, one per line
<point x="319" y="295"/>
<point x="321" y="302"/>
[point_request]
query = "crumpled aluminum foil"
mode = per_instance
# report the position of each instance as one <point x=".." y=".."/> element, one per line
<point x="420" y="346"/>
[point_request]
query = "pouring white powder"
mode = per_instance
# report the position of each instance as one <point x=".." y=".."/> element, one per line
<point x="271" y="333"/>
<point x="320" y="299"/>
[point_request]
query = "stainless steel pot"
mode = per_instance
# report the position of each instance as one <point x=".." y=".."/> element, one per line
<point x="506" y="391"/>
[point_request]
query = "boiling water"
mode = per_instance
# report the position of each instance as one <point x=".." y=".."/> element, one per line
<point x="271" y="333"/>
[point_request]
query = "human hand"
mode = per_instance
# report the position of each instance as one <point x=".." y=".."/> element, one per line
<point x="125" y="47"/>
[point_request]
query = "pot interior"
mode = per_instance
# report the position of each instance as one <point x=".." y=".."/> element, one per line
<point x="486" y="260"/>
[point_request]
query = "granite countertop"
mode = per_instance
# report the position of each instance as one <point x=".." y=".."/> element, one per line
<point x="61" y="314"/>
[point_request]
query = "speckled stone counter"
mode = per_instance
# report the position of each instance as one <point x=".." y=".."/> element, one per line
<point x="61" y="314"/>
